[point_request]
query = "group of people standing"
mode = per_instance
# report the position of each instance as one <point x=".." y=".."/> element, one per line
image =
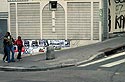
<point x="8" y="44"/>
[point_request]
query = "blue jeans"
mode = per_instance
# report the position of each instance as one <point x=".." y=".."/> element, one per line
<point x="10" y="48"/>
<point x="5" y="53"/>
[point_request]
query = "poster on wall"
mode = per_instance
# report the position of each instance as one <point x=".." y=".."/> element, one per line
<point x="34" y="46"/>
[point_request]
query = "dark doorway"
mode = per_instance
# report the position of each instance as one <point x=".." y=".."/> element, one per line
<point x="3" y="30"/>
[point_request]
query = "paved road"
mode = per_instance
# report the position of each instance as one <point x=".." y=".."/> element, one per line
<point x="67" y="75"/>
<point x="114" y="63"/>
<point x="108" y="69"/>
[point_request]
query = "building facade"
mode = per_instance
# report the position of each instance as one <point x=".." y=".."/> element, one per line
<point x="79" y="21"/>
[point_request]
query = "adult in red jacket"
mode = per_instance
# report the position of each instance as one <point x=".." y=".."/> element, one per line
<point x="19" y="44"/>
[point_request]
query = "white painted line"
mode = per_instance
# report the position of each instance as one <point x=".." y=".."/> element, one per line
<point x="104" y="59"/>
<point x="13" y="67"/>
<point x="113" y="63"/>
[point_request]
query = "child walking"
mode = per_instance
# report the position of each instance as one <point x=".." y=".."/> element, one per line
<point x="19" y="44"/>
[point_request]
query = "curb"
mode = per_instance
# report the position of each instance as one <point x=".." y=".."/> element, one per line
<point x="93" y="57"/>
<point x="23" y="69"/>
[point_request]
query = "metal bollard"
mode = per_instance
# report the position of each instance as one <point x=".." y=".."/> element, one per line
<point x="50" y="53"/>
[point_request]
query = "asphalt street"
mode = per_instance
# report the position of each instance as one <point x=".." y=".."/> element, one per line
<point x="113" y="63"/>
<point x="108" y="69"/>
<point x="59" y="75"/>
<point x="70" y="74"/>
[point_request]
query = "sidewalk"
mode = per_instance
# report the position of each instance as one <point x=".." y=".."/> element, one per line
<point x="64" y="58"/>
